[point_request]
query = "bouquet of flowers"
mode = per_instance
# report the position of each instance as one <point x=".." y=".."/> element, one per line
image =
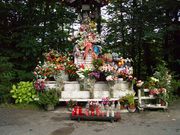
<point x="39" y="85"/>
<point x="46" y="70"/>
<point x="71" y="69"/>
<point x="83" y="72"/>
<point x="157" y="91"/>
<point x="109" y="72"/>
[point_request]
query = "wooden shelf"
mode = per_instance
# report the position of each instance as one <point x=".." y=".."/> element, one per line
<point x="153" y="106"/>
<point x="85" y="100"/>
<point x="148" y="97"/>
<point x="95" y="118"/>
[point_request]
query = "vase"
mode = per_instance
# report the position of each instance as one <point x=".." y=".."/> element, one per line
<point x="131" y="108"/>
<point x="87" y="84"/>
<point x="111" y="85"/>
<point x="62" y="76"/>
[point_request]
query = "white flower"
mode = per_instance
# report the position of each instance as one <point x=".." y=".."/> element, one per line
<point x="109" y="78"/>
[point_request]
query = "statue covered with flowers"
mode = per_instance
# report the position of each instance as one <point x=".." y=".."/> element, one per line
<point x="86" y="46"/>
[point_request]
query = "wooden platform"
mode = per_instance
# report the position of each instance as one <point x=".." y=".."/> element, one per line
<point x="95" y="118"/>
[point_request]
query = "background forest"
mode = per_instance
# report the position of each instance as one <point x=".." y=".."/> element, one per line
<point x="148" y="31"/>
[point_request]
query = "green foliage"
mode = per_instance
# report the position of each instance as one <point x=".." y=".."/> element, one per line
<point x="127" y="100"/>
<point x="23" y="92"/>
<point x="30" y="28"/>
<point x="144" y="31"/>
<point x="97" y="63"/>
<point x="48" y="97"/>
<point x="164" y="79"/>
<point x="6" y="77"/>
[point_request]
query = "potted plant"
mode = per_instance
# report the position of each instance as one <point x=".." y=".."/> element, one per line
<point x="123" y="102"/>
<point x="131" y="102"/>
<point x="48" y="99"/>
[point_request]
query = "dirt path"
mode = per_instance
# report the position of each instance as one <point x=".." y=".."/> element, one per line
<point x="27" y="122"/>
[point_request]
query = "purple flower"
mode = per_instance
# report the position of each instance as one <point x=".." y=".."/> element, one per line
<point x="95" y="74"/>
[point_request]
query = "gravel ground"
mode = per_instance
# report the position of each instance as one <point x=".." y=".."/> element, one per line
<point x="28" y="122"/>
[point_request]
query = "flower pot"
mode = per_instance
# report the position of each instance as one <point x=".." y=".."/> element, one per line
<point x="131" y="108"/>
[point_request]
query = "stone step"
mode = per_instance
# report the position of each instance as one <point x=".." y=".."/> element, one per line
<point x="101" y="94"/>
<point x="123" y="86"/>
<point x="75" y="94"/>
<point x="71" y="86"/>
<point x="119" y="94"/>
<point x="99" y="86"/>
<point x="50" y="84"/>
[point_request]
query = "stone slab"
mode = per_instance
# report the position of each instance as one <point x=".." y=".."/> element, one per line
<point x="75" y="94"/>
<point x="99" y="86"/>
<point x="50" y="84"/>
<point x="101" y="94"/>
<point x="123" y="86"/>
<point x="119" y="94"/>
<point x="71" y="86"/>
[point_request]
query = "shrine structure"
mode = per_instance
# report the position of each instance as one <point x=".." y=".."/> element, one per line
<point x="113" y="70"/>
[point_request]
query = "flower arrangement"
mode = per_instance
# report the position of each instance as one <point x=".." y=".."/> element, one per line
<point x="47" y="70"/>
<point x="94" y="75"/>
<point x="39" y="85"/>
<point x="71" y="70"/>
<point x="157" y="91"/>
<point x="54" y="63"/>
<point x="55" y="57"/>
<point x="105" y="101"/>
<point x="109" y="72"/>
<point x="83" y="72"/>
<point x="98" y="63"/>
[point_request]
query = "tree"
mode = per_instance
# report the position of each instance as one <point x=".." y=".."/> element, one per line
<point x="138" y="30"/>
<point x="30" y="28"/>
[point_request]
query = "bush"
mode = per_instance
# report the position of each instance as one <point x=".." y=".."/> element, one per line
<point x="48" y="97"/>
<point x="6" y="77"/>
<point x="23" y="92"/>
<point x="164" y="79"/>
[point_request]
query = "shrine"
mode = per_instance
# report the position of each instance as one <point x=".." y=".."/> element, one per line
<point x="89" y="60"/>
<point x="92" y="74"/>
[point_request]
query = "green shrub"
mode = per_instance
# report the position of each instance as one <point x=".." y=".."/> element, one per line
<point x="6" y="77"/>
<point x="23" y="92"/>
<point x="48" y="97"/>
<point x="164" y="79"/>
